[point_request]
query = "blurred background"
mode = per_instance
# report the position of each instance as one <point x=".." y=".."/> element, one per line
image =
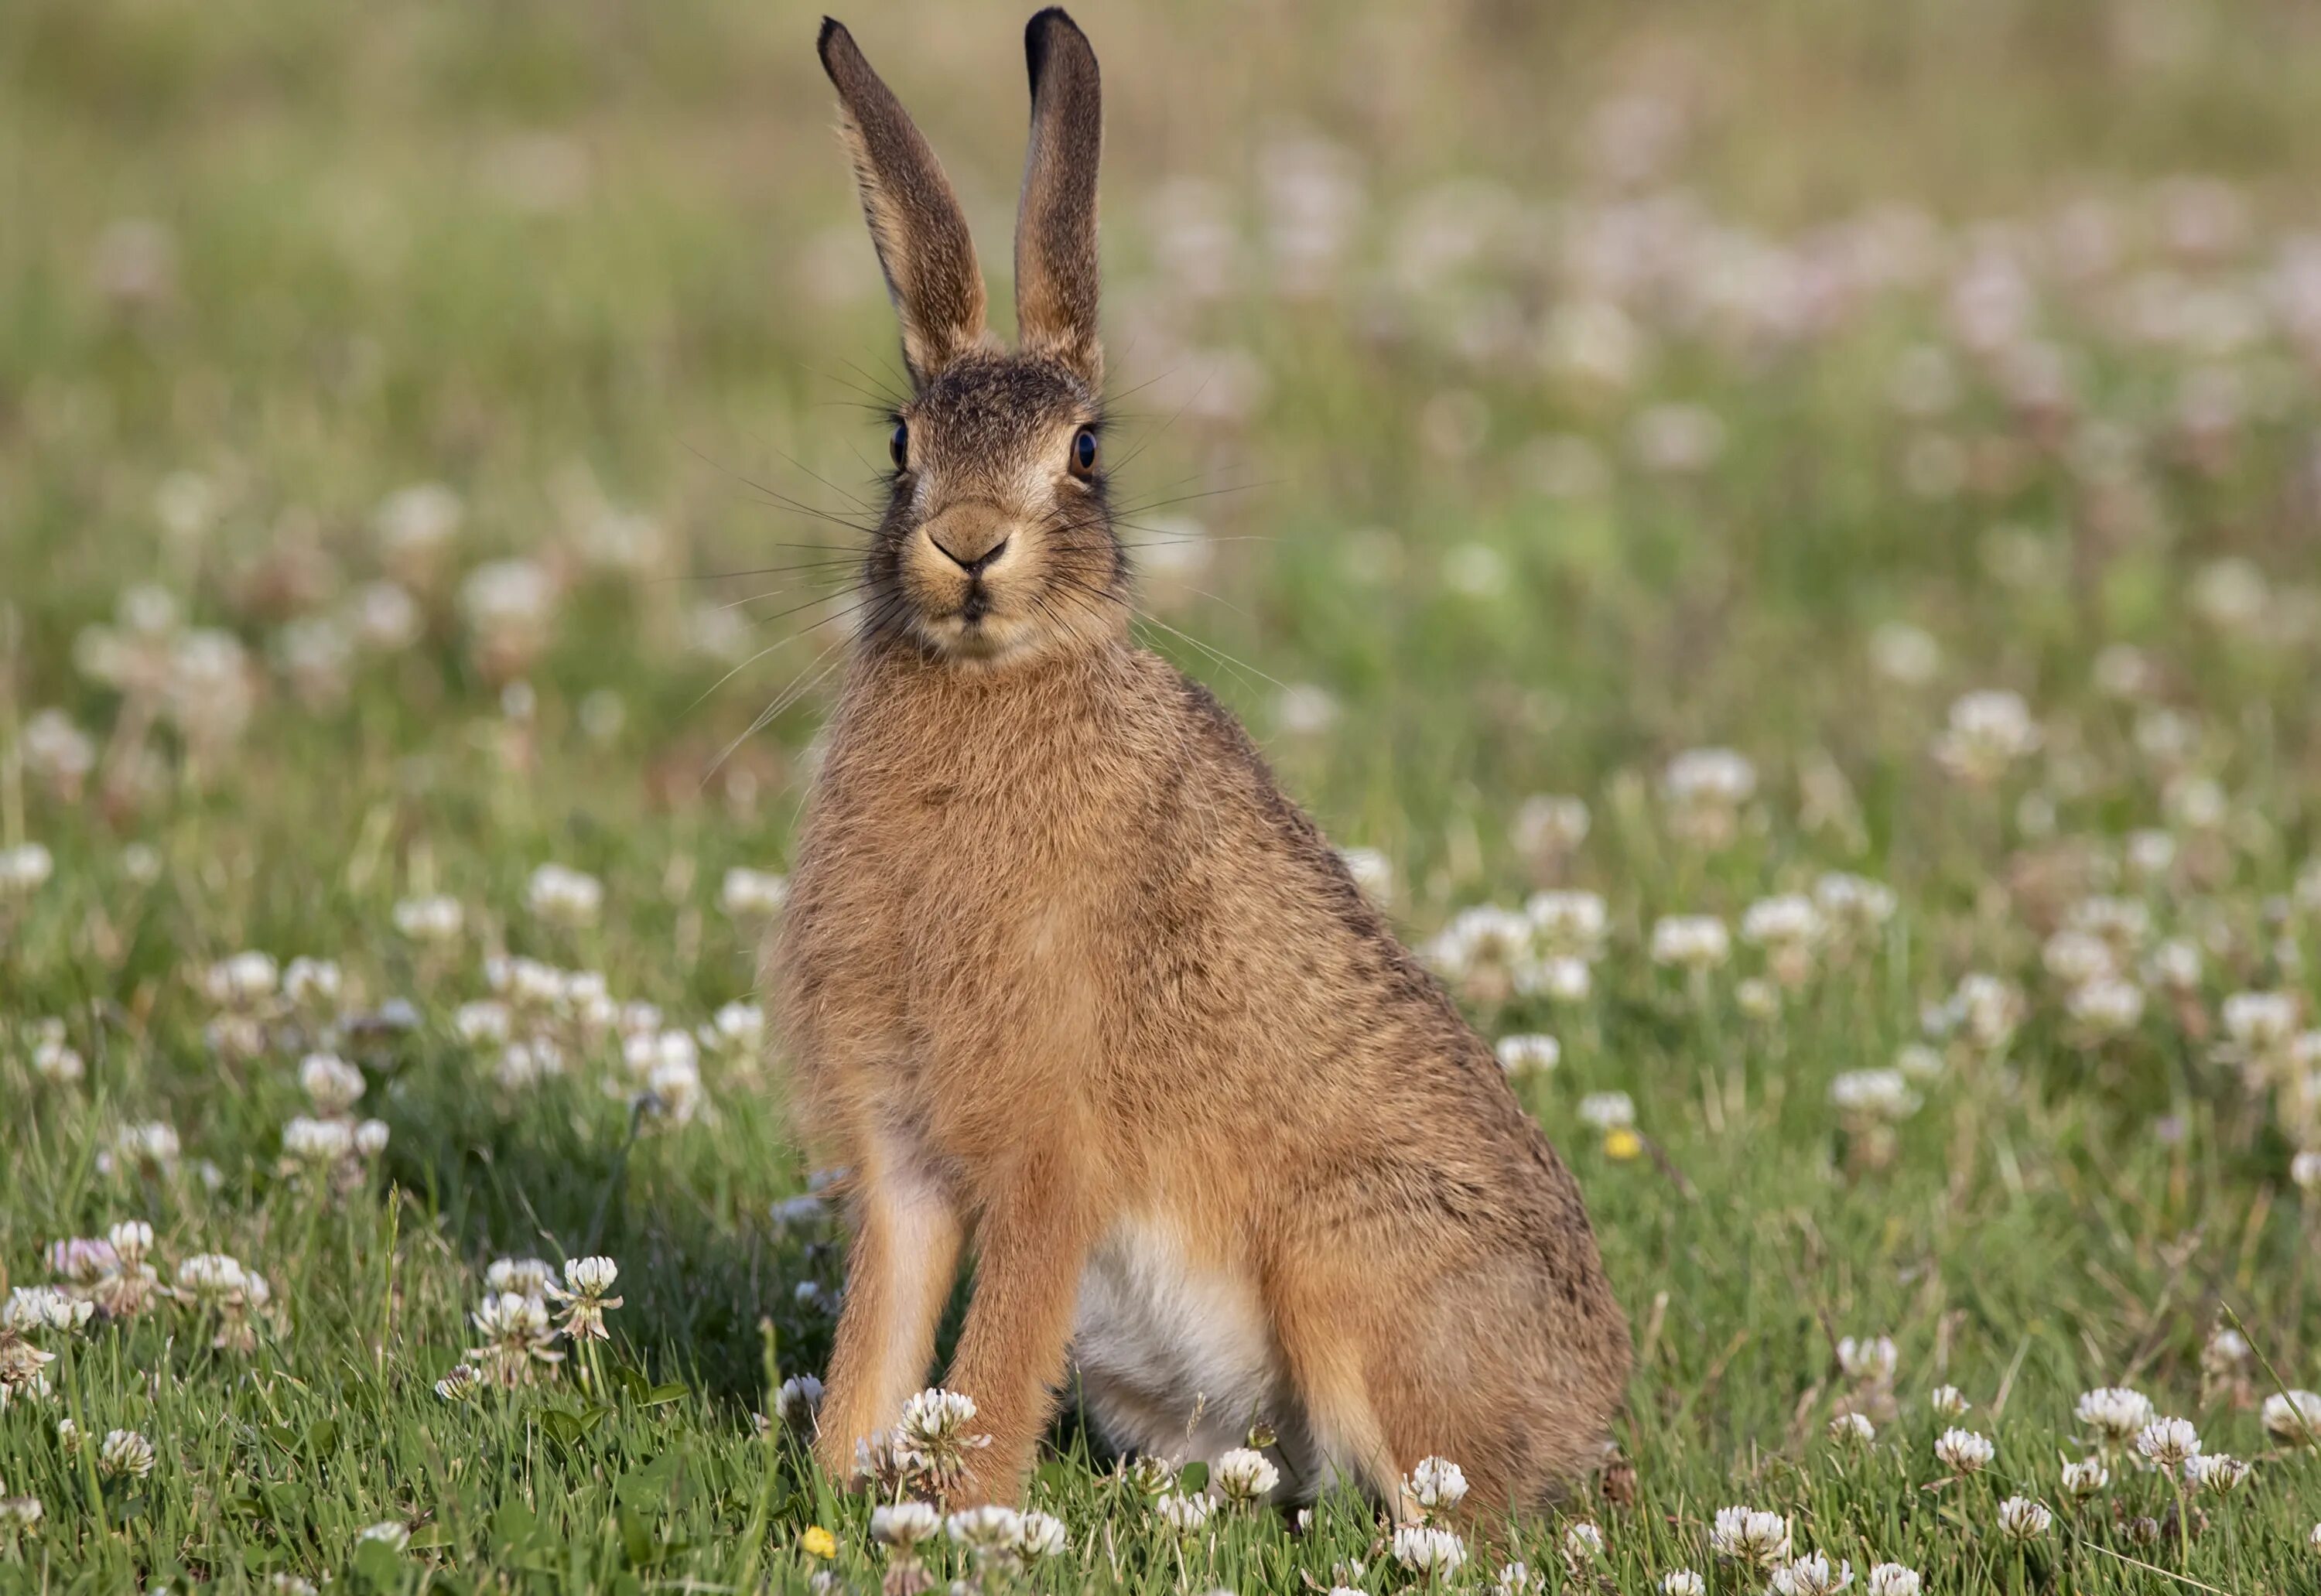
<point x="1529" y="391"/>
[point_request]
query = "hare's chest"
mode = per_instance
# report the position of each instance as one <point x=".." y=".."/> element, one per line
<point x="1174" y="1354"/>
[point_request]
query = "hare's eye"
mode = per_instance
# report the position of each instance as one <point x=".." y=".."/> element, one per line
<point x="898" y="445"/>
<point x="1083" y="451"/>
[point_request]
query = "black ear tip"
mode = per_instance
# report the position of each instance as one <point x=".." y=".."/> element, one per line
<point x="833" y="32"/>
<point x="1041" y="35"/>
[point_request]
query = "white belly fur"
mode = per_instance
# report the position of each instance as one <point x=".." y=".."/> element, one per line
<point x="1178" y="1361"/>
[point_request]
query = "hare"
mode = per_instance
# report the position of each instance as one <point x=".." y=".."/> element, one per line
<point x="1064" y="975"/>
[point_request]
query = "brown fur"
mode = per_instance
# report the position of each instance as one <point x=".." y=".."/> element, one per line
<point x="1060" y="958"/>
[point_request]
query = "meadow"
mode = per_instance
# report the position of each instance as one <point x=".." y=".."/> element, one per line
<point x="1783" y="538"/>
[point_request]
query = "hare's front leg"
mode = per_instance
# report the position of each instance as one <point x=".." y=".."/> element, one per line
<point x="898" y="1276"/>
<point x="1032" y="1240"/>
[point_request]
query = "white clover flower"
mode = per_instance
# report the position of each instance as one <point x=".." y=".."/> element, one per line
<point x="56" y="752"/>
<point x="125" y="1455"/>
<point x="389" y="1533"/>
<point x="2260" y="1022"/>
<point x="1426" y="1549"/>
<point x="1988" y="731"/>
<point x="1549" y="824"/>
<point x="748" y="894"/>
<point x="2169" y="1443"/>
<point x="371" y="1138"/>
<point x="31" y="1310"/>
<point x="525" y="1277"/>
<point x="241" y="981"/>
<point x="330" y="1082"/>
<point x="21" y="1515"/>
<point x="2215" y="1473"/>
<point x="988" y="1531"/>
<point x="1683" y="1582"/>
<point x="2304" y="1171"/>
<point x="2083" y="1477"/>
<point x="1184" y="1514"/>
<point x="1872" y="1094"/>
<point x="1436" y="1485"/>
<point x="413" y="525"/>
<point x="2314" y="1539"/>
<point x="1703" y="790"/>
<point x="209" y="1276"/>
<point x="1517" y="1578"/>
<point x="2021" y="1519"/>
<point x="1892" y="1579"/>
<point x="1528" y="1054"/>
<point x="516" y="1336"/>
<point x="1790" y="918"/>
<point x="150" y="1143"/>
<point x="932" y="1435"/>
<point x="1948" y="1401"/>
<point x="1608" y="1111"/>
<point x="797" y="1401"/>
<point x="1964" y="1451"/>
<point x="1852" y="1430"/>
<point x="54" y="1061"/>
<point x="1243" y="1476"/>
<point x="739" y="1025"/>
<point x="462" y="1384"/>
<point x="1854" y="904"/>
<point x="1870" y="1359"/>
<point x="905" y="1525"/>
<point x="1757" y="998"/>
<point x="2076" y="957"/>
<point x="1690" y="942"/>
<point x="1989" y="1008"/>
<point x="1373" y="871"/>
<point x="313" y="983"/>
<point x="1582" y="1542"/>
<point x="23" y="869"/>
<point x="1481" y="941"/>
<point x="131" y="1240"/>
<point x="2107" y="1007"/>
<point x="431" y="920"/>
<point x="2113" y="1414"/>
<point x="317" y="1141"/>
<point x="1750" y="1536"/>
<point x="2226" y="1351"/>
<point x="1812" y="1574"/>
<point x="1042" y="1535"/>
<point x="563" y="896"/>
<point x="2293" y="1418"/>
<point x="1568" y="922"/>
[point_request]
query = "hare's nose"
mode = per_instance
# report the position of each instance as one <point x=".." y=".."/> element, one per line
<point x="969" y="537"/>
<point x="975" y="565"/>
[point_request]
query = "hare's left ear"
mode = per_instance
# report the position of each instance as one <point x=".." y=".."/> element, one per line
<point x="915" y="220"/>
<point x="1055" y="225"/>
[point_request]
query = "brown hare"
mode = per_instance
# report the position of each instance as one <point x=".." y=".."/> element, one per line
<point x="1063" y="976"/>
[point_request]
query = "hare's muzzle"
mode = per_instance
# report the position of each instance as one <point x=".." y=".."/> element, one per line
<point x="971" y="536"/>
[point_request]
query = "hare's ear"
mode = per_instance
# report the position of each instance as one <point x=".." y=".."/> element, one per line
<point x="1055" y="225"/>
<point x="920" y="232"/>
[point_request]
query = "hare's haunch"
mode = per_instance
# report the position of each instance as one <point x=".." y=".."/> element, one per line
<point x="1064" y="976"/>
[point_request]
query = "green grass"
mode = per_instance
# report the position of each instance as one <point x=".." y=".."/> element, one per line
<point x="581" y="262"/>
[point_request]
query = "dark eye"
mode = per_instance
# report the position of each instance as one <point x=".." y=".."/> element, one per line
<point x="898" y="445"/>
<point x="1084" y="452"/>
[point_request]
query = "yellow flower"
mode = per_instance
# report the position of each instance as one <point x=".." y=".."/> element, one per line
<point x="818" y="1542"/>
<point x="1620" y="1142"/>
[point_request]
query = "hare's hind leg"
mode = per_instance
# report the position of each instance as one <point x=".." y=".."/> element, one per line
<point x="898" y="1276"/>
<point x="1329" y="1342"/>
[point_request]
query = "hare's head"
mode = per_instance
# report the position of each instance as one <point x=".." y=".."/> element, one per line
<point x="997" y="544"/>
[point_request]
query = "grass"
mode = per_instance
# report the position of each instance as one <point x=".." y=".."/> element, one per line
<point x="597" y="270"/>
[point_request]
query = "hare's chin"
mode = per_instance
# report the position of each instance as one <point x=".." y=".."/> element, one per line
<point x="989" y="641"/>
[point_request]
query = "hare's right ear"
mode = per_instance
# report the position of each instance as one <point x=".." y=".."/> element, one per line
<point x="916" y="222"/>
